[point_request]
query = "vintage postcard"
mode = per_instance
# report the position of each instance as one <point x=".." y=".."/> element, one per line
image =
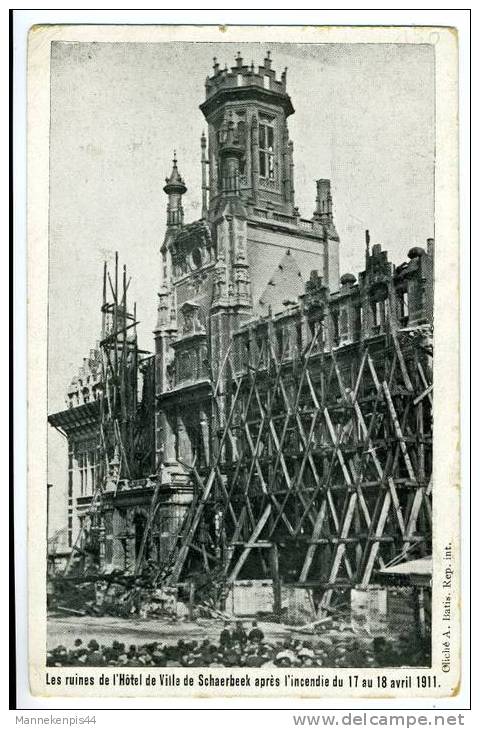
<point x="243" y="361"/>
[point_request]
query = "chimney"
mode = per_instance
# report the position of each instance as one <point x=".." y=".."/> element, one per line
<point x="367" y="246"/>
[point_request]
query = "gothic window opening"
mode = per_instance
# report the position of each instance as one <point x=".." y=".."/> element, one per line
<point x="358" y="322"/>
<point x="403" y="306"/>
<point x="336" y="330"/>
<point x="196" y="257"/>
<point x="266" y="147"/>
<point x="241" y="132"/>
<point x="344" y="323"/>
<point x="242" y="140"/>
<point x="241" y="166"/>
<point x="93" y="470"/>
<point x="378" y="311"/>
<point x="82" y="466"/>
<point x="317" y="333"/>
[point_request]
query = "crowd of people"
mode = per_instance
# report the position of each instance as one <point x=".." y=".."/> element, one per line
<point x="239" y="646"/>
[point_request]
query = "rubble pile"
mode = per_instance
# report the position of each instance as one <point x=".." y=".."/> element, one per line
<point x="118" y="596"/>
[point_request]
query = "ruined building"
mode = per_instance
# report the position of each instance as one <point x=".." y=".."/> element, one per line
<point x="282" y="427"/>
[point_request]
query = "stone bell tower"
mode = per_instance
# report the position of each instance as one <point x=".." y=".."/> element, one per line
<point x="256" y="105"/>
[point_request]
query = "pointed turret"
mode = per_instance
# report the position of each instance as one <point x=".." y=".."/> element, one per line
<point x="324" y="209"/>
<point x="164" y="309"/>
<point x="175" y="188"/>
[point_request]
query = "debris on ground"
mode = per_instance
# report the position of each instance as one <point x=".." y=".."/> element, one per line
<point x="119" y="596"/>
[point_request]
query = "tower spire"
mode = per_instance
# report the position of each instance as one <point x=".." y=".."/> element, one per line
<point x="367" y="245"/>
<point x="323" y="209"/>
<point x="174" y="188"/>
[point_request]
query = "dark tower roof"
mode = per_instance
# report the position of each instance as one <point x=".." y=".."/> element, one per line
<point x="242" y="82"/>
<point x="175" y="183"/>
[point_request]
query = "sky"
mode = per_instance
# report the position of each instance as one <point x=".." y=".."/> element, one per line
<point x="364" y="117"/>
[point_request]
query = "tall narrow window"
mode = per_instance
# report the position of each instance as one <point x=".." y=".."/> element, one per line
<point x="403" y="305"/>
<point x="242" y="139"/>
<point x="246" y="351"/>
<point x="280" y="342"/>
<point x="266" y="147"/>
<point x="336" y="329"/>
<point x="83" y="467"/>
<point x="358" y="322"/>
<point x="344" y="323"/>
<point x="378" y="309"/>
<point x="317" y="332"/>
<point x="80" y="468"/>
<point x="93" y="469"/>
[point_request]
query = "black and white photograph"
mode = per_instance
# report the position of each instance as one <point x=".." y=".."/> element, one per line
<point x="245" y="279"/>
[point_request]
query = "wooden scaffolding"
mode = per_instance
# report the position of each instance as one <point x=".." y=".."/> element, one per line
<point x="322" y="467"/>
<point x="123" y="441"/>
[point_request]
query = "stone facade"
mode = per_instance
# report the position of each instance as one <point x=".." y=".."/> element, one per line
<point x="217" y="272"/>
<point x="251" y="267"/>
